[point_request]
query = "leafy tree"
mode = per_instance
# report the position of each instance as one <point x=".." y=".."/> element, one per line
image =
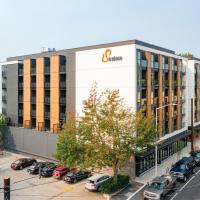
<point x="106" y="135"/>
<point x="187" y="55"/>
<point x="179" y="148"/>
<point x="2" y="125"/>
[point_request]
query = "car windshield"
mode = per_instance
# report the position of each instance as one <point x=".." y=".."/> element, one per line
<point x="18" y="161"/>
<point x="156" y="185"/>
<point x="197" y="155"/>
<point x="182" y="167"/>
<point x="70" y="174"/>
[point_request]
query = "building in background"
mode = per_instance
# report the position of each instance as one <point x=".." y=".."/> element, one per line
<point x="44" y="89"/>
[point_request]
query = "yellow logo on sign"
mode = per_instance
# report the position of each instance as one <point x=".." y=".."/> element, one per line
<point x="105" y="55"/>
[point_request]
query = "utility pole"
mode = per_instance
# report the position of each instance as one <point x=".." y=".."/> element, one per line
<point x="192" y="126"/>
<point x="7" y="188"/>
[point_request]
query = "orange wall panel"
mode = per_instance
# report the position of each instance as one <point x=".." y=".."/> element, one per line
<point x="27" y="92"/>
<point x="54" y="92"/>
<point x="39" y="91"/>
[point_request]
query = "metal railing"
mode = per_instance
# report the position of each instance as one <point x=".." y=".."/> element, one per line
<point x="62" y="100"/>
<point x="47" y="85"/>
<point x="4" y="98"/>
<point x="47" y="115"/>
<point x="62" y="69"/>
<point x="47" y="100"/>
<point x="20" y="98"/>
<point x="63" y="84"/>
<point x="4" y="85"/>
<point x="47" y="70"/>
<point x="20" y="85"/>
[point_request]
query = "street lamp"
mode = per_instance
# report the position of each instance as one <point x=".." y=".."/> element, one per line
<point x="157" y="141"/>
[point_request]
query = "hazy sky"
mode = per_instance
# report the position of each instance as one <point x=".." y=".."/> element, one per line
<point x="28" y="25"/>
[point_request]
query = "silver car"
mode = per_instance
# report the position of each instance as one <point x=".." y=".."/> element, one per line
<point x="94" y="182"/>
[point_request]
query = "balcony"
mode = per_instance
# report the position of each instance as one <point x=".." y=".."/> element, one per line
<point x="175" y="83"/>
<point x="4" y="74"/>
<point x="155" y="65"/>
<point x="143" y="83"/>
<point x="47" y="70"/>
<point x="33" y="71"/>
<point x="20" y="86"/>
<point x="4" y="98"/>
<point x="47" y="114"/>
<point x="20" y="72"/>
<point x="183" y="84"/>
<point x="4" y="86"/>
<point x="62" y="69"/>
<point x="166" y="100"/>
<point x="166" y="82"/>
<point x="155" y="83"/>
<point x="62" y="85"/>
<point x="155" y="100"/>
<point x="20" y="112"/>
<point x="4" y="111"/>
<point x="33" y="85"/>
<point x="175" y="98"/>
<point x="62" y="100"/>
<point x="174" y="68"/>
<point x="47" y="100"/>
<point x="33" y="100"/>
<point x="183" y="98"/>
<point x="144" y="63"/>
<point x="33" y="113"/>
<point x="20" y="99"/>
<point x="166" y="67"/>
<point x="47" y="85"/>
<point x="62" y="115"/>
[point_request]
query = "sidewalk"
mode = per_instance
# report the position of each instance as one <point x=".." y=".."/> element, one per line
<point x="165" y="166"/>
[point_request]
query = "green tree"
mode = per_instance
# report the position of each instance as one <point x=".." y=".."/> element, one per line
<point x="2" y="125"/>
<point x="179" y="148"/>
<point x="187" y="55"/>
<point x="106" y="135"/>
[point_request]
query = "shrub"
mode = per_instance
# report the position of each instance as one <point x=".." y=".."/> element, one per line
<point x="111" y="186"/>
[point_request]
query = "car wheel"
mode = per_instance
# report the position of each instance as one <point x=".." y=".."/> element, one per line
<point x="184" y="179"/>
<point x="75" y="180"/>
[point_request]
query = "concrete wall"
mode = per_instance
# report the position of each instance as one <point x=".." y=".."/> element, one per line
<point x="31" y="141"/>
<point x="12" y="92"/>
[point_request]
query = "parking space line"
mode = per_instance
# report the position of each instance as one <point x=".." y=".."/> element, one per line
<point x="174" y="196"/>
<point x="198" y="172"/>
<point x="186" y="184"/>
<point x="136" y="192"/>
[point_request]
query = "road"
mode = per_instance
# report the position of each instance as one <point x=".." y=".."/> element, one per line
<point x="183" y="191"/>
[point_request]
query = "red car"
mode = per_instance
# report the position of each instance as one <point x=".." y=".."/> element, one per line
<point x="60" y="171"/>
<point x="22" y="163"/>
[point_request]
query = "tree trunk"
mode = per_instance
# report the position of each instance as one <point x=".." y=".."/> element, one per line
<point x="115" y="171"/>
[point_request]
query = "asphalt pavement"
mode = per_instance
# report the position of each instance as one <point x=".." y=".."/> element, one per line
<point x="183" y="191"/>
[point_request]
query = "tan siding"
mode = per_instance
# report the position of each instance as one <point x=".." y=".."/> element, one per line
<point x="27" y="93"/>
<point x="39" y="92"/>
<point x="54" y="93"/>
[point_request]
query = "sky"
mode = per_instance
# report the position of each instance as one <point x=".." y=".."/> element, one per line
<point x="28" y="25"/>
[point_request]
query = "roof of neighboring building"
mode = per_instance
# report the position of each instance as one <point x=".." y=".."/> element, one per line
<point x="72" y="50"/>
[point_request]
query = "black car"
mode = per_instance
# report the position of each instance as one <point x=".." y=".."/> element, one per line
<point x="48" y="170"/>
<point x="34" y="169"/>
<point x="22" y="163"/>
<point x="184" y="168"/>
<point x="196" y="156"/>
<point x="76" y="175"/>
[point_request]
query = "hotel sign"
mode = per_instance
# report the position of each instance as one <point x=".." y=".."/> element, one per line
<point x="107" y="57"/>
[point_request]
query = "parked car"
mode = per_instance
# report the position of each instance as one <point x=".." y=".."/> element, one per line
<point x="76" y="175"/>
<point x="196" y="156"/>
<point x="47" y="171"/>
<point x="34" y="169"/>
<point x="183" y="168"/>
<point x="94" y="182"/>
<point x="159" y="187"/>
<point x="22" y="163"/>
<point x="60" y="171"/>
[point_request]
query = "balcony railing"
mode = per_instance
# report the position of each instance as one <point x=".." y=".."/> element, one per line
<point x="33" y="99"/>
<point x="143" y="102"/>
<point x="4" y="85"/>
<point x="63" y="85"/>
<point x="47" y="70"/>
<point x="175" y="98"/>
<point x="47" y="115"/>
<point x="143" y="83"/>
<point x="155" y="83"/>
<point x="4" y="111"/>
<point x="62" y="69"/>
<point x="4" y="74"/>
<point x="47" y="85"/>
<point x="33" y="71"/>
<point x="20" y="112"/>
<point x="62" y="100"/>
<point x="62" y="115"/>
<point x="143" y="63"/>
<point x="20" y="99"/>
<point x="47" y="100"/>
<point x="4" y="98"/>
<point x="155" y="65"/>
<point x="20" y="72"/>
<point x="166" y="83"/>
<point x="175" y="68"/>
<point x="20" y="85"/>
<point x="175" y="83"/>
<point x="33" y="85"/>
<point x="33" y="113"/>
<point x="166" y="66"/>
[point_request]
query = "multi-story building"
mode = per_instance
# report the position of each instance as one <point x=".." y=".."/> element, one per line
<point x="44" y="89"/>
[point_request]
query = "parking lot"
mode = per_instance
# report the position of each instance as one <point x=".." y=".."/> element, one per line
<point x="25" y="186"/>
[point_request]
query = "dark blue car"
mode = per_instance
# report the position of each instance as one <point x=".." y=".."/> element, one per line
<point x="184" y="168"/>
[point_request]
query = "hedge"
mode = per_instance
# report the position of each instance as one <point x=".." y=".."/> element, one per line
<point x="111" y="186"/>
